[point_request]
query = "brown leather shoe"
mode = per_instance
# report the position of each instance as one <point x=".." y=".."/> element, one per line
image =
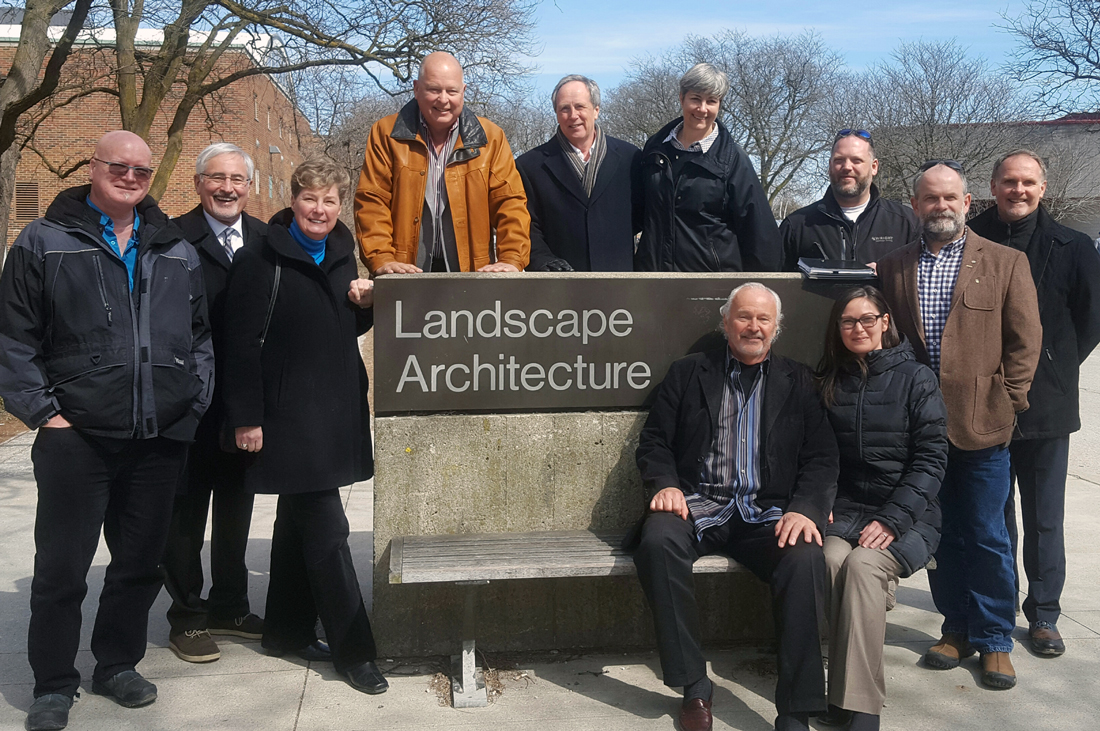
<point x="1046" y="640"/>
<point x="947" y="653"/>
<point x="695" y="715"/>
<point x="997" y="671"/>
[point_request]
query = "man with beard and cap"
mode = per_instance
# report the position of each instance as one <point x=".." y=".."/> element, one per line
<point x="851" y="221"/>
<point x="969" y="308"/>
<point x="218" y="227"/>
<point x="580" y="189"/>
<point x="107" y="352"/>
<point x="1066" y="269"/>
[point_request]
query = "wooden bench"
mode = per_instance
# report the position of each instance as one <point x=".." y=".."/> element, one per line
<point x="473" y="560"/>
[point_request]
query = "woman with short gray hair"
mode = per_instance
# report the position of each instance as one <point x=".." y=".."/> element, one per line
<point x="705" y="210"/>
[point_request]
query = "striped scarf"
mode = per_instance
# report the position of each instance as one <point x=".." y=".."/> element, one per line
<point x="586" y="173"/>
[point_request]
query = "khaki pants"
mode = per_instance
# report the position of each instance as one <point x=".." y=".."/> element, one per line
<point x="857" y="623"/>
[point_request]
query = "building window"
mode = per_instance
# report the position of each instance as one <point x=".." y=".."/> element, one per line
<point x="280" y="128"/>
<point x="269" y="118"/>
<point x="270" y="187"/>
<point x="26" y="201"/>
<point x="256" y="107"/>
<point x="282" y="193"/>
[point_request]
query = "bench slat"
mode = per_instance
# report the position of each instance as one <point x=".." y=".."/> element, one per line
<point x="534" y="555"/>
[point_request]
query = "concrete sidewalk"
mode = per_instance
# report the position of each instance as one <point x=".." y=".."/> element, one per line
<point x="248" y="690"/>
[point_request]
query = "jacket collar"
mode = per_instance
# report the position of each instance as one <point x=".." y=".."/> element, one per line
<point x="562" y="170"/>
<point x="70" y="210"/>
<point x="777" y="386"/>
<point x="471" y="135"/>
<point x="339" y="245"/>
<point x="196" y="229"/>
<point x="716" y="160"/>
<point x="830" y="207"/>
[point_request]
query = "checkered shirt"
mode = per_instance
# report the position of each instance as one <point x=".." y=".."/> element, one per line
<point x="702" y="145"/>
<point x="730" y="477"/>
<point x="936" y="275"/>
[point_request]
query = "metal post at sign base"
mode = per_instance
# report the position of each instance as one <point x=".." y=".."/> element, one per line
<point x="467" y="680"/>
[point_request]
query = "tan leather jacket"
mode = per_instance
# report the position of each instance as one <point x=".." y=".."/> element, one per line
<point x="484" y="192"/>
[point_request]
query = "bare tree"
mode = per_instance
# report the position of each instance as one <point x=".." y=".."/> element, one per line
<point x="1058" y="52"/>
<point x="932" y="101"/>
<point x="780" y="88"/>
<point x="25" y="85"/>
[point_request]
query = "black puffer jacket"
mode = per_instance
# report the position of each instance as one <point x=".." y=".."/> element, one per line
<point x="711" y="217"/>
<point x="892" y="434"/>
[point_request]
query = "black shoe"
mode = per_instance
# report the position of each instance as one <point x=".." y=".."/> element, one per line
<point x="49" y="712"/>
<point x="316" y="651"/>
<point x="249" y="627"/>
<point x="864" y="722"/>
<point x="367" y="678"/>
<point x="835" y="716"/>
<point x="792" y="722"/>
<point x="1046" y="640"/>
<point x="127" y="688"/>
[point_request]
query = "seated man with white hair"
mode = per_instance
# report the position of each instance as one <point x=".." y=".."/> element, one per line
<point x="738" y="457"/>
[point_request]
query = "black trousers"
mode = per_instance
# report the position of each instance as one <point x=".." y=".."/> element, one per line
<point x="221" y="476"/>
<point x="312" y="576"/>
<point x="85" y="484"/>
<point x="797" y="576"/>
<point x="1040" y="467"/>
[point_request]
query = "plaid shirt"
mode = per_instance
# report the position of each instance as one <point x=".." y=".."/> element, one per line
<point x="702" y="145"/>
<point x="936" y="275"/>
<point x="730" y="477"/>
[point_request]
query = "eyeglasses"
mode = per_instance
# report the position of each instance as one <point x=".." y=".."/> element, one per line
<point x="861" y="133"/>
<point x="867" y="321"/>
<point x="119" y="170"/>
<point x="953" y="164"/>
<point x="238" y="181"/>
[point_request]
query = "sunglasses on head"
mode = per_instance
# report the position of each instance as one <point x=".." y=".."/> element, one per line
<point x="862" y="133"/>
<point x="119" y="170"/>
<point x="953" y="164"/>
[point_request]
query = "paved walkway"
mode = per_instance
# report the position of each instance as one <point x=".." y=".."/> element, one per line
<point x="248" y="690"/>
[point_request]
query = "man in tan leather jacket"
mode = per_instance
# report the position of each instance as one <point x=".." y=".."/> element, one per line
<point x="437" y="182"/>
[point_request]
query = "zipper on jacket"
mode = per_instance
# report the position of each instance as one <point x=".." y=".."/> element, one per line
<point x="859" y="418"/>
<point x="102" y="287"/>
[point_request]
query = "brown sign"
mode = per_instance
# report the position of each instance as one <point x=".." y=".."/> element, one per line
<point x="557" y="342"/>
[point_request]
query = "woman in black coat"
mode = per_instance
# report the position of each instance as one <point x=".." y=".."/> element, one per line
<point x="891" y="427"/>
<point x="704" y="208"/>
<point x="296" y="396"/>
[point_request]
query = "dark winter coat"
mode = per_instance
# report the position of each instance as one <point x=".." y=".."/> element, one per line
<point x="593" y="234"/>
<point x="1066" y="268"/>
<point x="306" y="384"/>
<point x="892" y="434"/>
<point x="799" y="467"/>
<point x="713" y="217"/>
<point x="75" y="339"/>
<point x="206" y="452"/>
<point x="821" y="231"/>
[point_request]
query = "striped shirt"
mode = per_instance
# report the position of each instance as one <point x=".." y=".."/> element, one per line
<point x="702" y="145"/>
<point x="435" y="198"/>
<point x="936" y="275"/>
<point x="730" y="476"/>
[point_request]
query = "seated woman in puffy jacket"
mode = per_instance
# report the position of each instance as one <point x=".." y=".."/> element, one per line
<point x="891" y="426"/>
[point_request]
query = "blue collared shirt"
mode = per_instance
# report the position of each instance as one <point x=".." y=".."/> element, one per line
<point x="129" y="257"/>
<point x="730" y="478"/>
<point x="936" y="276"/>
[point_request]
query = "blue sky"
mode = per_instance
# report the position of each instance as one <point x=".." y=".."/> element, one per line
<point x="600" y="38"/>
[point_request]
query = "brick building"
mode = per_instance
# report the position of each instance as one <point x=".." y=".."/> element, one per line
<point x="255" y="112"/>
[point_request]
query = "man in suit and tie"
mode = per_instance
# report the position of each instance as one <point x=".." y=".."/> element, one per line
<point x="970" y="310"/>
<point x="217" y="228"/>
<point x="580" y="189"/>
<point x="738" y="457"/>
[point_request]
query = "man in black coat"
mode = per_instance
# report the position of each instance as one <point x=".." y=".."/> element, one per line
<point x="584" y="212"/>
<point x="1066" y="268"/>
<point x="217" y="228"/>
<point x="737" y="456"/>
<point x="106" y="351"/>
<point x="851" y="221"/>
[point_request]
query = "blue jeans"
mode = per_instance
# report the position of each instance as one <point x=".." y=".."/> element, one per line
<point x="973" y="583"/>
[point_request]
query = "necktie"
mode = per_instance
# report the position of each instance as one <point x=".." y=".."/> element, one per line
<point x="227" y="241"/>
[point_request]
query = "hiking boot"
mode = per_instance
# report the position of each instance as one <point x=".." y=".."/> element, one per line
<point x="948" y="652"/>
<point x="249" y="626"/>
<point x="194" y="645"/>
<point x="997" y="671"/>
<point x="1045" y="639"/>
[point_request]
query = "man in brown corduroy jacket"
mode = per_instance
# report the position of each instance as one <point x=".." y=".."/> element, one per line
<point x="969" y="308"/>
